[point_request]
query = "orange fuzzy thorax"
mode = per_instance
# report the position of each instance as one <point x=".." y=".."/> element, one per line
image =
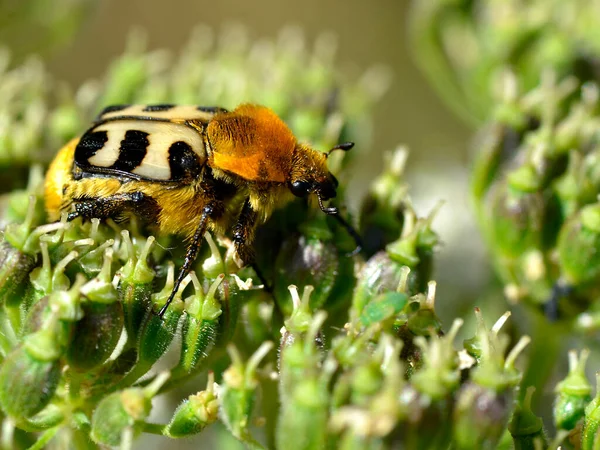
<point x="252" y="142"/>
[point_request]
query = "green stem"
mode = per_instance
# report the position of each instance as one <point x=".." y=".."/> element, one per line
<point x="44" y="439"/>
<point x="154" y="428"/>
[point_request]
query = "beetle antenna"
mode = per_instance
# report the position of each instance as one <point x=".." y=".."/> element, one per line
<point x="333" y="211"/>
<point x="344" y="146"/>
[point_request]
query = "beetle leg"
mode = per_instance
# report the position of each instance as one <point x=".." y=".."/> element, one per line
<point x="243" y="236"/>
<point x="243" y="233"/>
<point x="190" y="255"/>
<point x="112" y="206"/>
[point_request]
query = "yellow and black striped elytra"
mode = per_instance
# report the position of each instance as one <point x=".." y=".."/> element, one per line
<point x="187" y="169"/>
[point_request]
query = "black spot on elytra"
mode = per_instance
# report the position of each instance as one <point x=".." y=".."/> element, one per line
<point x="132" y="150"/>
<point x="112" y="108"/>
<point x="183" y="161"/>
<point x="88" y="145"/>
<point x="157" y="108"/>
<point x="212" y="109"/>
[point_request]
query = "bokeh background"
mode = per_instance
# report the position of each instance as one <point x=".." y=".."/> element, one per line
<point x="369" y="34"/>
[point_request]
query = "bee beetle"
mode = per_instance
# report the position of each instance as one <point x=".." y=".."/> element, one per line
<point x="188" y="169"/>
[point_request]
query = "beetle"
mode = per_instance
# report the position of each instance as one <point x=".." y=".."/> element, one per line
<point x="187" y="169"/>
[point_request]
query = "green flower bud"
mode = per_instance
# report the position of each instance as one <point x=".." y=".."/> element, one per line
<point x="526" y="428"/>
<point x="406" y="260"/>
<point x="195" y="413"/>
<point x="136" y="286"/>
<point x="96" y="335"/>
<point x="17" y="256"/>
<point x="305" y="412"/>
<point x="28" y="381"/>
<point x="494" y="371"/>
<point x="304" y="385"/>
<point x="515" y="221"/>
<point x="157" y="332"/>
<point x="424" y="321"/>
<point x="573" y="393"/>
<point x="238" y="392"/>
<point x="577" y="243"/>
<point x="301" y="317"/>
<point x="300" y="346"/>
<point x="439" y="375"/>
<point x="379" y="274"/>
<point x="120" y="416"/>
<point x="213" y="266"/>
<point x="14" y="269"/>
<point x="307" y="259"/>
<point x="200" y="326"/>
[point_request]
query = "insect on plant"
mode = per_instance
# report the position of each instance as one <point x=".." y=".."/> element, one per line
<point x="188" y="169"/>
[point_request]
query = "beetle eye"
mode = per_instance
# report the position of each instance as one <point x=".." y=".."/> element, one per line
<point x="300" y="188"/>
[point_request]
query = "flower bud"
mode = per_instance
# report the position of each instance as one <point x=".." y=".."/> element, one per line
<point x="439" y="375"/>
<point x="14" y="269"/>
<point x="136" y="286"/>
<point x="573" y="393"/>
<point x="195" y="413"/>
<point x="30" y="374"/>
<point x="96" y="335"/>
<point x="577" y="243"/>
<point x="18" y="252"/>
<point x="200" y="326"/>
<point x="120" y="416"/>
<point x="157" y="332"/>
<point x="423" y="321"/>
<point x="526" y="428"/>
<point x="406" y="260"/>
<point x="310" y="258"/>
<point x="238" y="392"/>
<point x="304" y="380"/>
<point x="300" y="347"/>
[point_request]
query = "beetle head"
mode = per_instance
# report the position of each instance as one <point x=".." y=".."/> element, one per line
<point x="309" y="174"/>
